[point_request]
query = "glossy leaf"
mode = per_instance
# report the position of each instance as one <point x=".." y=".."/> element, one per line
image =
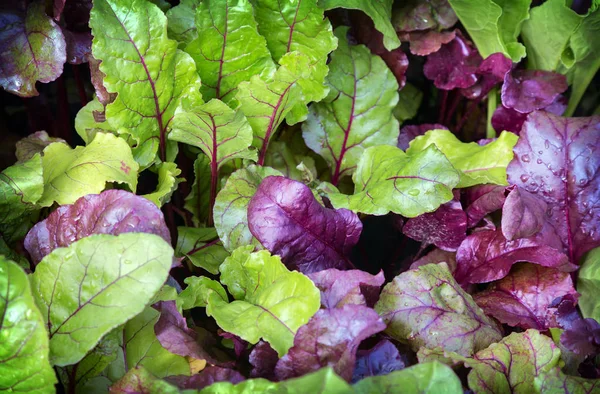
<point x="588" y="285"/>
<point x="260" y="283"/>
<point x="353" y="287"/>
<point x="523" y="214"/>
<point x="388" y="180"/>
<point x="482" y="200"/>
<point x="91" y="120"/>
<point x="555" y="159"/>
<point x="231" y="206"/>
<point x="145" y="68"/>
<point x="428" y="42"/>
<point x="202" y="246"/>
<point x="529" y="90"/>
<point x="478" y="164"/>
<point x="354" y="116"/>
<point x="32" y="47"/>
<point x="228" y="48"/>
<point x="197" y="291"/>
<point x="104" y="281"/>
<point x="110" y="212"/>
<point x="24" y="365"/>
<point x="167" y="184"/>
<point x="426" y="307"/>
<point x="181" y="20"/>
<point x="454" y="65"/>
<point x="380" y="11"/>
<point x="288" y="221"/>
<point x="73" y="173"/>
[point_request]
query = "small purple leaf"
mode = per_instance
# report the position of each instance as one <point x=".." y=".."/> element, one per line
<point x="339" y="288"/>
<point x="523" y="214"/>
<point x="454" y="65"/>
<point x="529" y="90"/>
<point x="507" y="119"/>
<point x="263" y="359"/>
<point x="287" y="220"/>
<point x="408" y="133"/>
<point x="382" y="359"/>
<point x="206" y="377"/>
<point x="583" y="337"/>
<point x="491" y="72"/>
<point x="482" y="200"/>
<point x="423" y="43"/>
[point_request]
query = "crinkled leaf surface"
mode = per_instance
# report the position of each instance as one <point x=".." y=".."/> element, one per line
<point x="354" y="116"/>
<point x="478" y="164"/>
<point x="481" y="200"/>
<point x="330" y="338"/>
<point x="32" y="48"/>
<point x="287" y="220"/>
<point x="454" y="65"/>
<point x="339" y="288"/>
<point x="415" y="15"/>
<point x="380" y="11"/>
<point x="139" y="380"/>
<point x="389" y="180"/>
<point x="529" y="90"/>
<point x="582" y="337"/>
<point x="381" y="359"/>
<point x="197" y="291"/>
<point x="556" y="159"/>
<point x="34" y="143"/>
<point x="432" y="377"/>
<point x="426" y="307"/>
<point x="486" y="256"/>
<point x="73" y="173"/>
<point x="231" y="206"/>
<point x="110" y="212"/>
<point x="523" y="214"/>
<point x="554" y="381"/>
<point x="167" y="183"/>
<point x="524" y="297"/>
<point x="428" y="42"/>
<point x="270" y="301"/>
<point x="94" y="285"/>
<point x="145" y="68"/>
<point x="24" y="365"/>
<point x="228" y="48"/>
<point x="588" y="285"/>
<point x="21" y="186"/>
<point x="491" y="72"/>
<point x="202" y="246"/>
<point x="494" y="25"/>
<point x="181" y="20"/>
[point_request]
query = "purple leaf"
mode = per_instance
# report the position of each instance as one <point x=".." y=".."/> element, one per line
<point x="423" y="43"/>
<point x="445" y="228"/>
<point x="79" y="46"/>
<point x="491" y="72"/>
<point x="557" y="159"/>
<point x="330" y="338"/>
<point x="454" y="65"/>
<point x="382" y="359"/>
<point x="287" y="220"/>
<point x="487" y="256"/>
<point x="173" y="333"/>
<point x="97" y="78"/>
<point x="263" y="359"/>
<point x="523" y="214"/>
<point x="339" y="288"/>
<point x="32" y="48"/>
<point x="482" y="200"/>
<point x="206" y="377"/>
<point x="437" y="256"/>
<point x="110" y="212"/>
<point x="529" y="90"/>
<point x="507" y="119"/>
<point x="523" y="298"/>
<point x="583" y="337"/>
<point x="239" y="345"/>
<point x="408" y="133"/>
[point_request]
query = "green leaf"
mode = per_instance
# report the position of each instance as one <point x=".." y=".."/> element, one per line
<point x="295" y="166"/>
<point x="94" y="285"/>
<point x="181" y="25"/>
<point x="556" y="382"/>
<point x="266" y="104"/>
<point x="494" y="25"/>
<point x="431" y="378"/>
<point x="145" y="68"/>
<point x="389" y="180"/>
<point x="21" y="186"/>
<point x="588" y="285"/>
<point x="231" y="206"/>
<point x="270" y="301"/>
<point x="354" y="116"/>
<point x="73" y="173"/>
<point x="86" y="124"/>
<point x="139" y="380"/>
<point x="478" y="164"/>
<point x="228" y="48"/>
<point x="197" y="291"/>
<point x="167" y="184"/>
<point x="24" y="365"/>
<point x="299" y="26"/>
<point x="547" y="33"/>
<point x="380" y="11"/>
<point x="198" y="201"/>
<point x="410" y="99"/>
<point x="142" y="348"/>
<point x="202" y="246"/>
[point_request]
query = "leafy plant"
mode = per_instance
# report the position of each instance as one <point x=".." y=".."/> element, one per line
<point x="291" y="196"/>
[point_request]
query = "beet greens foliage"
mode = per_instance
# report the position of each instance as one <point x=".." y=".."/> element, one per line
<point x="300" y="196"/>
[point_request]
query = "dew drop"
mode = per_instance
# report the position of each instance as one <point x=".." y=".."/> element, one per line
<point x="525" y="158"/>
<point x="583" y="181"/>
<point x="547" y="144"/>
<point x="539" y="161"/>
<point x="127" y="262"/>
<point x="414" y="192"/>
<point x="524" y="178"/>
<point x="541" y="152"/>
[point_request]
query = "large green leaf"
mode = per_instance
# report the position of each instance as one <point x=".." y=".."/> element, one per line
<point x="96" y="284"/>
<point x="21" y="186"/>
<point x="202" y="246"/>
<point x="182" y="22"/>
<point x="478" y="164"/>
<point x="167" y="183"/>
<point x="409" y="102"/>
<point x="547" y="33"/>
<point x="228" y="49"/>
<point x="270" y="301"/>
<point x="292" y="165"/>
<point x="24" y="365"/>
<point x="141" y="380"/>
<point x="73" y="173"/>
<point x="231" y="206"/>
<point x="198" y="201"/>
<point x="588" y="285"/>
<point x="431" y="378"/>
<point x="556" y="382"/>
<point x="389" y="180"/>
<point x="380" y="11"/>
<point x="91" y="120"/>
<point x="145" y="68"/>
<point x="354" y="116"/>
<point x="494" y="25"/>
<point x="197" y="290"/>
<point x="300" y="26"/>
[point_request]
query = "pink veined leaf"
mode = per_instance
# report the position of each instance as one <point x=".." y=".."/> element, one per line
<point x="556" y="159"/>
<point x="423" y="43"/>
<point x="524" y="297"/>
<point x="454" y="65"/>
<point x="381" y="359"/>
<point x="482" y="200"/>
<point x="437" y="256"/>
<point x="523" y="214"/>
<point x="491" y="72"/>
<point x="209" y="375"/>
<point x="287" y="220"/>
<point x="529" y="90"/>
<point x="339" y="288"/>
